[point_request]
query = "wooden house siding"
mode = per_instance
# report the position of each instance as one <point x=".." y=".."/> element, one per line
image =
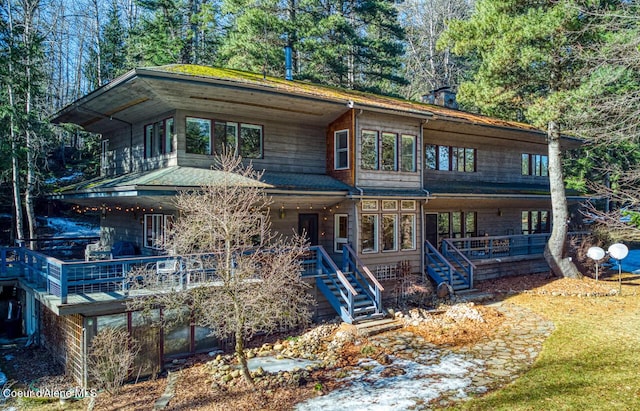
<point x="393" y="124"/>
<point x="344" y="122"/>
<point x="497" y="160"/>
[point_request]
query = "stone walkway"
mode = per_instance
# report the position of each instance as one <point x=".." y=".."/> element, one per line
<point x="500" y="358"/>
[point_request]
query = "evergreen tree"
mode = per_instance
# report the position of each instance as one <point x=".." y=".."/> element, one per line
<point x="356" y="44"/>
<point x="527" y="64"/>
<point x="254" y="37"/>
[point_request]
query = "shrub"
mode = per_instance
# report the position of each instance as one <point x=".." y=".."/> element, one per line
<point x="111" y="356"/>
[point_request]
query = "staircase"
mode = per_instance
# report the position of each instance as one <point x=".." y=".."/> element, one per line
<point x="450" y="266"/>
<point x="353" y="292"/>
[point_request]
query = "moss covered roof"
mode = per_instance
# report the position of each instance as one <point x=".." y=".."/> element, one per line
<point x="333" y="94"/>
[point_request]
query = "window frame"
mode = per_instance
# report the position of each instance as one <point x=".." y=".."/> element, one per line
<point x="535" y="165"/>
<point x="376" y="149"/>
<point x="393" y="231"/>
<point x="338" y="151"/>
<point x="154" y="236"/>
<point x="208" y="145"/>
<point x="412" y="237"/>
<point x="412" y="154"/>
<point x="339" y="241"/>
<point x="375" y="231"/>
<point x="394" y="147"/>
<point x="450" y="158"/>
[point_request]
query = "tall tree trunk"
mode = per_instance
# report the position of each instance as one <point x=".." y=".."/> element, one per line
<point x="15" y="146"/>
<point x="29" y="200"/>
<point x="554" y="252"/>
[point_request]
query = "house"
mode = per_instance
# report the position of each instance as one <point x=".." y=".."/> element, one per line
<point x="381" y="186"/>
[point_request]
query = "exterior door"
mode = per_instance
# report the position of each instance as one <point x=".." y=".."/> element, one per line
<point x="308" y="224"/>
<point x="431" y="228"/>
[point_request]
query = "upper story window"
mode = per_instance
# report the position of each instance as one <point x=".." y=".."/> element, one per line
<point x="535" y="165"/>
<point x="341" y="145"/>
<point x="158" y="138"/>
<point x="205" y="136"/>
<point x="369" y="151"/>
<point x="448" y="158"/>
<point x="408" y="153"/>
<point x="388" y="152"/>
<point x="384" y="151"/>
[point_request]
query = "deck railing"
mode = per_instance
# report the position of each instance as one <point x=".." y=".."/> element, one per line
<point x="63" y="278"/>
<point x="362" y="275"/>
<point x="479" y="248"/>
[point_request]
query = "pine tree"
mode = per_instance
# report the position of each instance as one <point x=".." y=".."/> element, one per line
<point x="526" y="65"/>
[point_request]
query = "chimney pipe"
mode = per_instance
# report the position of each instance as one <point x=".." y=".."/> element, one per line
<point x="288" y="74"/>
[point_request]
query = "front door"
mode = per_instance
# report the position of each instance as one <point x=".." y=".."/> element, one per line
<point x="431" y="228"/>
<point x="308" y="226"/>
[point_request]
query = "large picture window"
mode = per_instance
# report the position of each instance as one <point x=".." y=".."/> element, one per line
<point x="369" y="152"/>
<point x="369" y="233"/>
<point x="447" y="158"/>
<point x="341" y="144"/>
<point x="198" y="136"/>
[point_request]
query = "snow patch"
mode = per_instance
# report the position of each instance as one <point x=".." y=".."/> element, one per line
<point x="368" y="389"/>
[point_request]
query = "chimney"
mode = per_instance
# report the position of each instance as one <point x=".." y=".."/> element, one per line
<point x="442" y="96"/>
<point x="288" y="66"/>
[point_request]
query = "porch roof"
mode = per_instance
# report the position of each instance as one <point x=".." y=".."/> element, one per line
<point x="167" y="181"/>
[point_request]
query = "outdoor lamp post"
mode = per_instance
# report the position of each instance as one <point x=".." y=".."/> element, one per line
<point x="619" y="252"/>
<point x="596" y="254"/>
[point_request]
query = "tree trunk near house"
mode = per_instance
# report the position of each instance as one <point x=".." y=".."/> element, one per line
<point x="554" y="252"/>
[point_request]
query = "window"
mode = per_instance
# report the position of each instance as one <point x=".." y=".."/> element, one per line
<point x="341" y="145"/>
<point x="408" y="205"/>
<point x="238" y="138"/>
<point x="430" y="159"/>
<point x="198" y="136"/>
<point x="446" y="158"/>
<point x="369" y="152"/>
<point x="225" y="137"/>
<point x="250" y="141"/>
<point x="389" y="232"/>
<point x="389" y="152"/>
<point x="457" y="224"/>
<point x="535" y="165"/>
<point x="369" y="205"/>
<point x="369" y="233"/>
<point x="168" y="136"/>
<point x="154" y="139"/>
<point x="341" y="231"/>
<point x="389" y="205"/>
<point x="104" y="155"/>
<point x="155" y="226"/>
<point x="534" y="222"/>
<point x="408" y="232"/>
<point x="408" y="153"/>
